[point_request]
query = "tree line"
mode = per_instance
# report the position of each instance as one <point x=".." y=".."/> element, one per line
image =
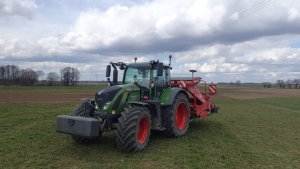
<point x="13" y="75"/>
<point x="237" y="83"/>
<point x="289" y="83"/>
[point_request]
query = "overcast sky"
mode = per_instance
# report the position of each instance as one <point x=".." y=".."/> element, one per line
<point x="251" y="41"/>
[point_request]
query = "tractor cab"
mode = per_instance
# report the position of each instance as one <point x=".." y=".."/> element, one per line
<point x="151" y="77"/>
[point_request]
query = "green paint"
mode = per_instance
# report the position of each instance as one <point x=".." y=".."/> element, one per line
<point x="168" y="95"/>
<point x="165" y="96"/>
<point x="129" y="92"/>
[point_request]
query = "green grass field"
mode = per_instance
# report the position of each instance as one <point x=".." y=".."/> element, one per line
<point x="247" y="133"/>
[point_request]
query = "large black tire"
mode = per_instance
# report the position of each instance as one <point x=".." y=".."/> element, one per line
<point x="133" y="130"/>
<point x="177" y="117"/>
<point x="80" y="111"/>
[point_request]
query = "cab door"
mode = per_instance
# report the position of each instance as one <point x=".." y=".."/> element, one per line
<point x="161" y="82"/>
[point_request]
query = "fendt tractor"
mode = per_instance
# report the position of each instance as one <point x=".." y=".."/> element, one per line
<point x="147" y="99"/>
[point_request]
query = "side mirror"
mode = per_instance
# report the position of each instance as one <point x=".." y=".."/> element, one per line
<point x="108" y="82"/>
<point x="160" y="69"/>
<point x="115" y="77"/>
<point x="108" y="70"/>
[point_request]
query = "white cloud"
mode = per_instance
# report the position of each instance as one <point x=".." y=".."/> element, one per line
<point x="23" y="8"/>
<point x="259" y="43"/>
<point x="166" y="26"/>
<point x="216" y="67"/>
<point x="294" y="14"/>
<point x="274" y="55"/>
<point x="169" y="21"/>
<point x="264" y="59"/>
<point x="142" y="23"/>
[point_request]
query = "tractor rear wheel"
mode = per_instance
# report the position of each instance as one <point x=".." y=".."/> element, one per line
<point x="133" y="130"/>
<point x="178" y="116"/>
<point x="80" y="111"/>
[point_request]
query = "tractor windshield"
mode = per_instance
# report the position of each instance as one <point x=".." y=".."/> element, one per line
<point x="138" y="74"/>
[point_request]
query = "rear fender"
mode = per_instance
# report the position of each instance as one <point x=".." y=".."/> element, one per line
<point x="168" y="96"/>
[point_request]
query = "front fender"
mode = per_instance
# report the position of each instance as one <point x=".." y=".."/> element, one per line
<point x="168" y="96"/>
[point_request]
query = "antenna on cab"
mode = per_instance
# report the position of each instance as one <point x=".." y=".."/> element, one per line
<point x="170" y="60"/>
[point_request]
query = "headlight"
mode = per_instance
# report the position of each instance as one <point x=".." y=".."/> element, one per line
<point x="106" y="105"/>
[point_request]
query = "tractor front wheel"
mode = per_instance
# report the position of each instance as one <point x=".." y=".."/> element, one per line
<point x="178" y="116"/>
<point x="133" y="130"/>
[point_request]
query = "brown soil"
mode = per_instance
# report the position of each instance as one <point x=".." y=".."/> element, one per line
<point x="237" y="93"/>
<point x="253" y="93"/>
<point x="43" y="97"/>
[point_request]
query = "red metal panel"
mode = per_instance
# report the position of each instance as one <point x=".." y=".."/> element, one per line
<point x="212" y="88"/>
<point x="200" y="103"/>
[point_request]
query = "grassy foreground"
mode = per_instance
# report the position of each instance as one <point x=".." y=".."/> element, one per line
<point x="249" y="133"/>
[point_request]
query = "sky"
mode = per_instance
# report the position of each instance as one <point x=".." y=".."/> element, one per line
<point x="225" y="41"/>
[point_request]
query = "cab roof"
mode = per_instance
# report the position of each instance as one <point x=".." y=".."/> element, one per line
<point x="141" y="65"/>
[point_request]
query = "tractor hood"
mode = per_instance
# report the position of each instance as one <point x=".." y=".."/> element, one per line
<point x="106" y="95"/>
<point x="110" y="97"/>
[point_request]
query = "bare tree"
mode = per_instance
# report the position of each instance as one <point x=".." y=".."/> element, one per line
<point x="52" y="78"/>
<point x="267" y="84"/>
<point x="296" y="83"/>
<point x="12" y="74"/>
<point x="66" y="76"/>
<point x="70" y="76"/>
<point x="289" y="82"/>
<point x="280" y="83"/>
<point x="2" y="72"/>
<point x="9" y="74"/>
<point x="238" y="83"/>
<point x="15" y="73"/>
<point x="28" y="77"/>
<point x="40" y="73"/>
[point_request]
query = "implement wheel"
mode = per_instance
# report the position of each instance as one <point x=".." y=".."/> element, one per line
<point x="133" y="130"/>
<point x="178" y="117"/>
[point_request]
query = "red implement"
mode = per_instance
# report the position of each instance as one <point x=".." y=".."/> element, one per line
<point x="200" y="102"/>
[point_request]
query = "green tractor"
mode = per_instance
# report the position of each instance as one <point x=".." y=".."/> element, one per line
<point x="144" y="101"/>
